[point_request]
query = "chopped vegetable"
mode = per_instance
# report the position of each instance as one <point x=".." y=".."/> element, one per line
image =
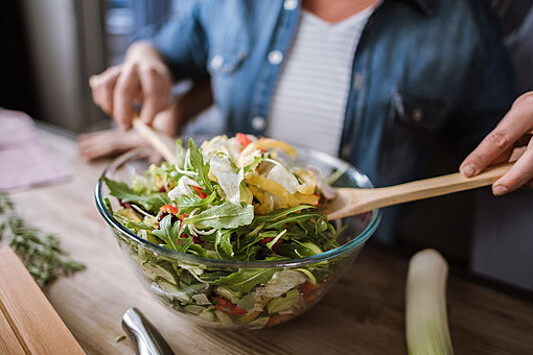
<point x="426" y="320"/>
<point x="243" y="139"/>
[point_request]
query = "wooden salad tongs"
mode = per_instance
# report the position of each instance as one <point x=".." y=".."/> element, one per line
<point x="159" y="141"/>
<point x="353" y="201"/>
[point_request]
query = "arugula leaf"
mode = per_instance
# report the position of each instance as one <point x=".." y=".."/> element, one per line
<point x="223" y="216"/>
<point x="223" y="239"/>
<point x="170" y="234"/>
<point x="295" y="218"/>
<point x="188" y="203"/>
<point x="246" y="279"/>
<point x="124" y="193"/>
<point x="274" y="241"/>
<point x="213" y="275"/>
<point x="277" y="214"/>
<point x="197" y="162"/>
<point x="248" y="241"/>
<point x="197" y="250"/>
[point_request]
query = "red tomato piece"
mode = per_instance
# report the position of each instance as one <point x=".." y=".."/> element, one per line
<point x="226" y="306"/>
<point x="200" y="192"/>
<point x="308" y="287"/>
<point x="169" y="208"/>
<point x="243" y="139"/>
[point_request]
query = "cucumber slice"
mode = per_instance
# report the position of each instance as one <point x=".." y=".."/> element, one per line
<point x="194" y="309"/>
<point x="201" y="299"/>
<point x="226" y="293"/>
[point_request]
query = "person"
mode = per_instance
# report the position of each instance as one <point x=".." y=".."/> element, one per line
<point x="514" y="130"/>
<point x="372" y="82"/>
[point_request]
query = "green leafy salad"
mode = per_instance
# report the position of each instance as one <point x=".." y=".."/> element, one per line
<point x="233" y="199"/>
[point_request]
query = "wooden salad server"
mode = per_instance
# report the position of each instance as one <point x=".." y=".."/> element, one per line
<point x="159" y="141"/>
<point x="353" y="201"/>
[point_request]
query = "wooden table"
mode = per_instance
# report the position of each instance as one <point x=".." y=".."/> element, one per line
<point x="363" y="313"/>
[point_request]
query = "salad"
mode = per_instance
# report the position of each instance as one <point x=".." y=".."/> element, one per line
<point x="232" y="199"/>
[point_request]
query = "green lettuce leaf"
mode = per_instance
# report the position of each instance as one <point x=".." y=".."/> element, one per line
<point x="246" y="279"/>
<point x="223" y="240"/>
<point x="188" y="203"/>
<point x="170" y="233"/>
<point x="124" y="193"/>
<point x="223" y="216"/>
<point x="202" y="168"/>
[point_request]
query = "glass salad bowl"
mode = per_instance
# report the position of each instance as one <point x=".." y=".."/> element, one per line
<point x="233" y="294"/>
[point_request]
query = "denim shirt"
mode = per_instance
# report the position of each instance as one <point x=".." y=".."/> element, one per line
<point x="421" y="68"/>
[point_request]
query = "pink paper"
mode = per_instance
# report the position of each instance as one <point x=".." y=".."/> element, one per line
<point x="24" y="160"/>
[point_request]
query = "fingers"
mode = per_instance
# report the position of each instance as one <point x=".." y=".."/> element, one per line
<point x="501" y="140"/>
<point x="102" y="144"/>
<point x="156" y="88"/>
<point x="127" y="88"/>
<point x="102" y="87"/>
<point x="118" y="88"/>
<point x="520" y="174"/>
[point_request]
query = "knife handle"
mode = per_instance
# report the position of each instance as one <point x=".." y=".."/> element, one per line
<point x="145" y="337"/>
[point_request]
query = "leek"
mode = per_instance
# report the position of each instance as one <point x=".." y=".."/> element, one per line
<point x="426" y="320"/>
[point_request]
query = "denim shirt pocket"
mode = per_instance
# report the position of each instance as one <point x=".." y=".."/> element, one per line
<point x="417" y="113"/>
<point x="413" y="123"/>
<point x="223" y="67"/>
<point x="225" y="61"/>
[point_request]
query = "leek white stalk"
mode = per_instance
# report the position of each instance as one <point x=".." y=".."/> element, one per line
<point x="426" y="321"/>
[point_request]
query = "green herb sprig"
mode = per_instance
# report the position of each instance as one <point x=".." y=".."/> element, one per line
<point x="39" y="252"/>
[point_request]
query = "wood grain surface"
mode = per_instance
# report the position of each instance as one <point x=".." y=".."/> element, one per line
<point x="362" y="314"/>
<point x="29" y="324"/>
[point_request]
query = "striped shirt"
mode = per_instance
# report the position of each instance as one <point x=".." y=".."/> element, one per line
<point x="309" y="101"/>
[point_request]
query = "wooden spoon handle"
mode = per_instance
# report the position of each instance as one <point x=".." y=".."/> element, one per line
<point x="437" y="186"/>
<point x="157" y="140"/>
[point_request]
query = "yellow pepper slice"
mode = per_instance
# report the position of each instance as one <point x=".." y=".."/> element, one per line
<point x="273" y="187"/>
<point x="278" y="190"/>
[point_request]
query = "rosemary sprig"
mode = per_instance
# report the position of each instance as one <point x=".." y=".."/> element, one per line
<point x="39" y="252"/>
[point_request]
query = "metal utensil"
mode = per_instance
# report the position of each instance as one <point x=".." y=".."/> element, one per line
<point x="145" y="337"/>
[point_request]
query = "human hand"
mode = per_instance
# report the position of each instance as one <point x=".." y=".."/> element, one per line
<point x="514" y="130"/>
<point x="108" y="143"/>
<point x="143" y="77"/>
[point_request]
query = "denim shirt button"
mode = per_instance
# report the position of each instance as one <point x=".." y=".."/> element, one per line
<point x="275" y="57"/>
<point x="258" y="123"/>
<point x="217" y="61"/>
<point x="290" y="4"/>
<point x="418" y="115"/>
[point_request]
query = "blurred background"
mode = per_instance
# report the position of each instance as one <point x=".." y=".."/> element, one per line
<point x="53" y="47"/>
<point x="50" y="48"/>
